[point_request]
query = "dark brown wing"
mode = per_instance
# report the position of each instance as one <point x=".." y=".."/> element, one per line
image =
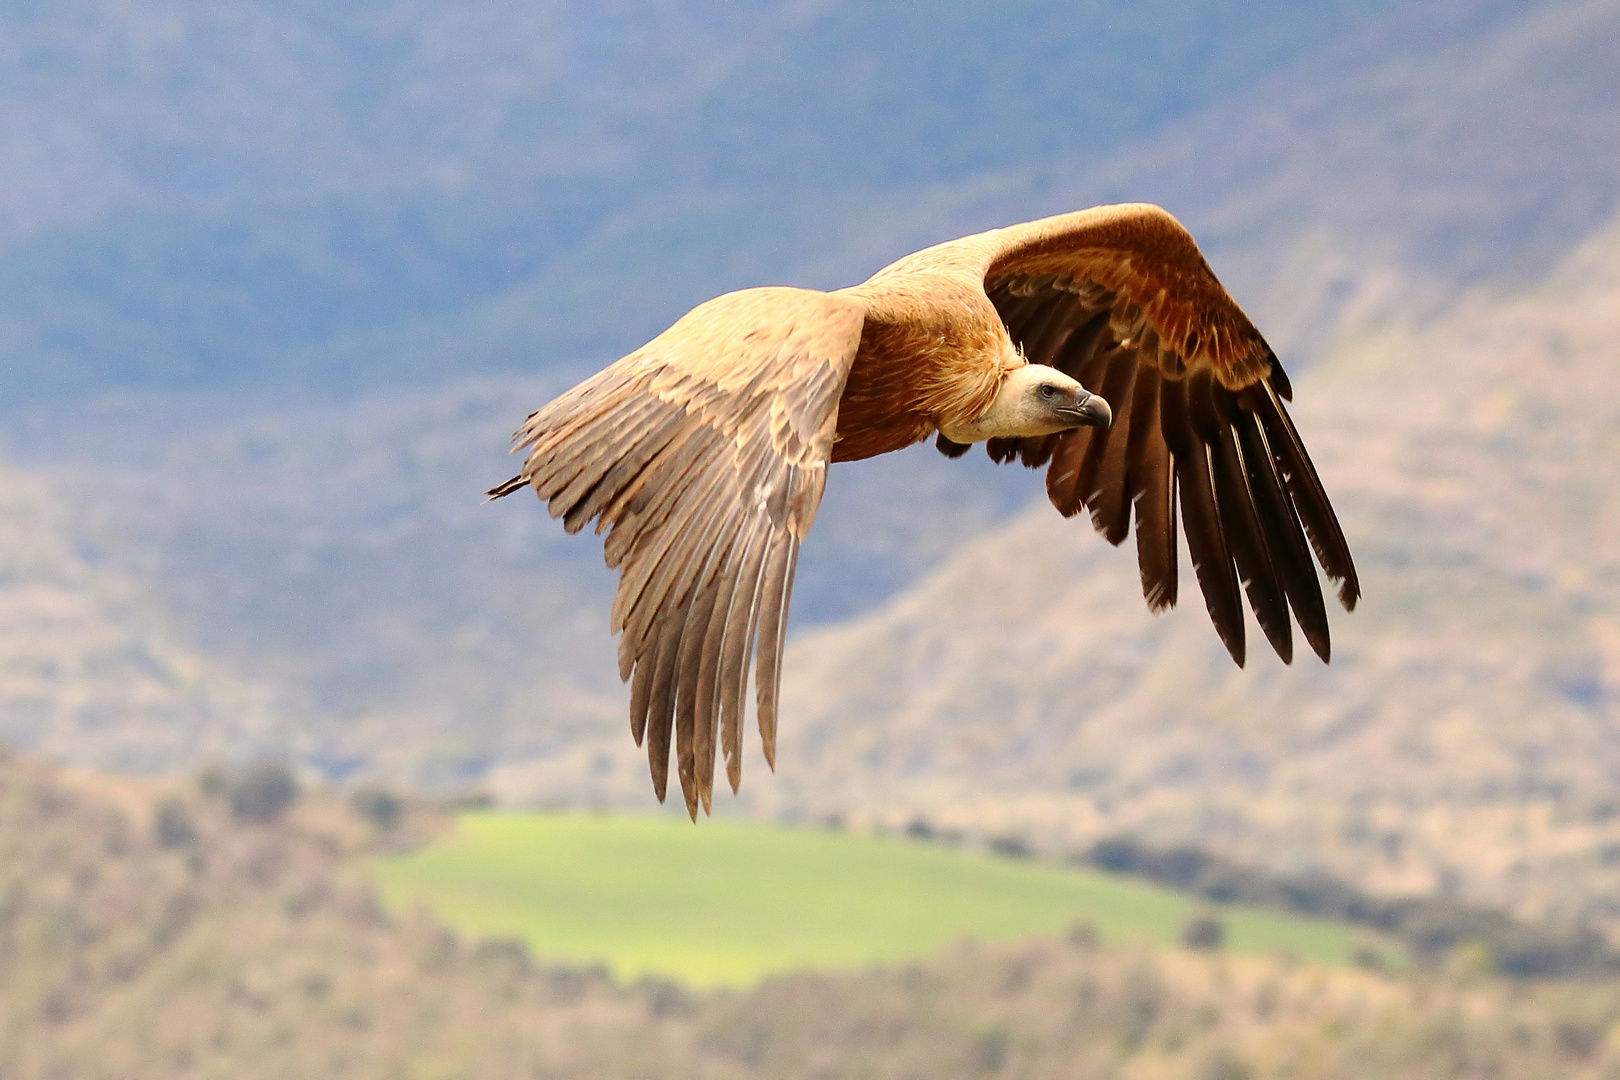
<point x="1121" y="299"/>
<point x="703" y="455"/>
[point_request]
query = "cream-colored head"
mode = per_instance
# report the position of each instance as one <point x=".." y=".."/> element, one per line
<point x="1034" y="400"/>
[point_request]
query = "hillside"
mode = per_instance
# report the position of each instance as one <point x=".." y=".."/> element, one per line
<point x="334" y="549"/>
<point x="738" y="901"/>
<point x="148" y="933"/>
<point x="86" y="672"/>
<point x="1463" y="739"/>
<point x="151" y="931"/>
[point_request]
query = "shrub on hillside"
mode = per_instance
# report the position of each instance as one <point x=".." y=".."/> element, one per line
<point x="172" y="824"/>
<point x="1431" y="927"/>
<point x="1010" y="847"/>
<point x="378" y="805"/>
<point x="262" y="792"/>
<point x="1203" y="932"/>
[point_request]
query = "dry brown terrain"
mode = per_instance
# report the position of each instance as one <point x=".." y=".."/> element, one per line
<point x="190" y="930"/>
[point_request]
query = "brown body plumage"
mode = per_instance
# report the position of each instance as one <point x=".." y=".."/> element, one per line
<point x="703" y="454"/>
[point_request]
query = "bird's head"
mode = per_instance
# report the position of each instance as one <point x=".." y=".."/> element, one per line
<point x="1035" y="400"/>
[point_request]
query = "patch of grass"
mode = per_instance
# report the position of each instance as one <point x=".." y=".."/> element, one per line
<point x="727" y="903"/>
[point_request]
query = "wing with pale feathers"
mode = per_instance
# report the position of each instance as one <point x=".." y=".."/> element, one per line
<point x="1121" y="299"/>
<point x="703" y="455"/>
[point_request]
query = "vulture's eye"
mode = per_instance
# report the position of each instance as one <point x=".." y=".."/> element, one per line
<point x="1049" y="392"/>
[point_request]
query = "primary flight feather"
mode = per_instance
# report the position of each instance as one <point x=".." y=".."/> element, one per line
<point x="1097" y="343"/>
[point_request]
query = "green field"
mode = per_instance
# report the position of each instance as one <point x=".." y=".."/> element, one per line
<point x="725" y="903"/>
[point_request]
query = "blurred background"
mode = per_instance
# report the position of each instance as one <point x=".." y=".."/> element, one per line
<point x="277" y="280"/>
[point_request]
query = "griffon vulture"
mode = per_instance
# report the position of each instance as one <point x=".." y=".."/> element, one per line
<point x="1096" y="343"/>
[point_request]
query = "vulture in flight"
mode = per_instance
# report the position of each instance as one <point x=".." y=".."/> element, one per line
<point x="1097" y="344"/>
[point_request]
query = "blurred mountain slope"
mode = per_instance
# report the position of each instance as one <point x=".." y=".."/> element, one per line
<point x="86" y="673"/>
<point x="246" y="193"/>
<point x="1441" y="148"/>
<point x="343" y="554"/>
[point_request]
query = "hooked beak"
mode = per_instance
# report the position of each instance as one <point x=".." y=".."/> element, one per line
<point x="1088" y="410"/>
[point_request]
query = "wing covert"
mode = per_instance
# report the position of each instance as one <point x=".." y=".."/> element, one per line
<point x="703" y="456"/>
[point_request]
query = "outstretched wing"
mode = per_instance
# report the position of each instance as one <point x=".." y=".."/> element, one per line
<point x="703" y="455"/>
<point x="1121" y="298"/>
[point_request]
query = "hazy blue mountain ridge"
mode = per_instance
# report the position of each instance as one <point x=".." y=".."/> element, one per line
<point x="248" y="193"/>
